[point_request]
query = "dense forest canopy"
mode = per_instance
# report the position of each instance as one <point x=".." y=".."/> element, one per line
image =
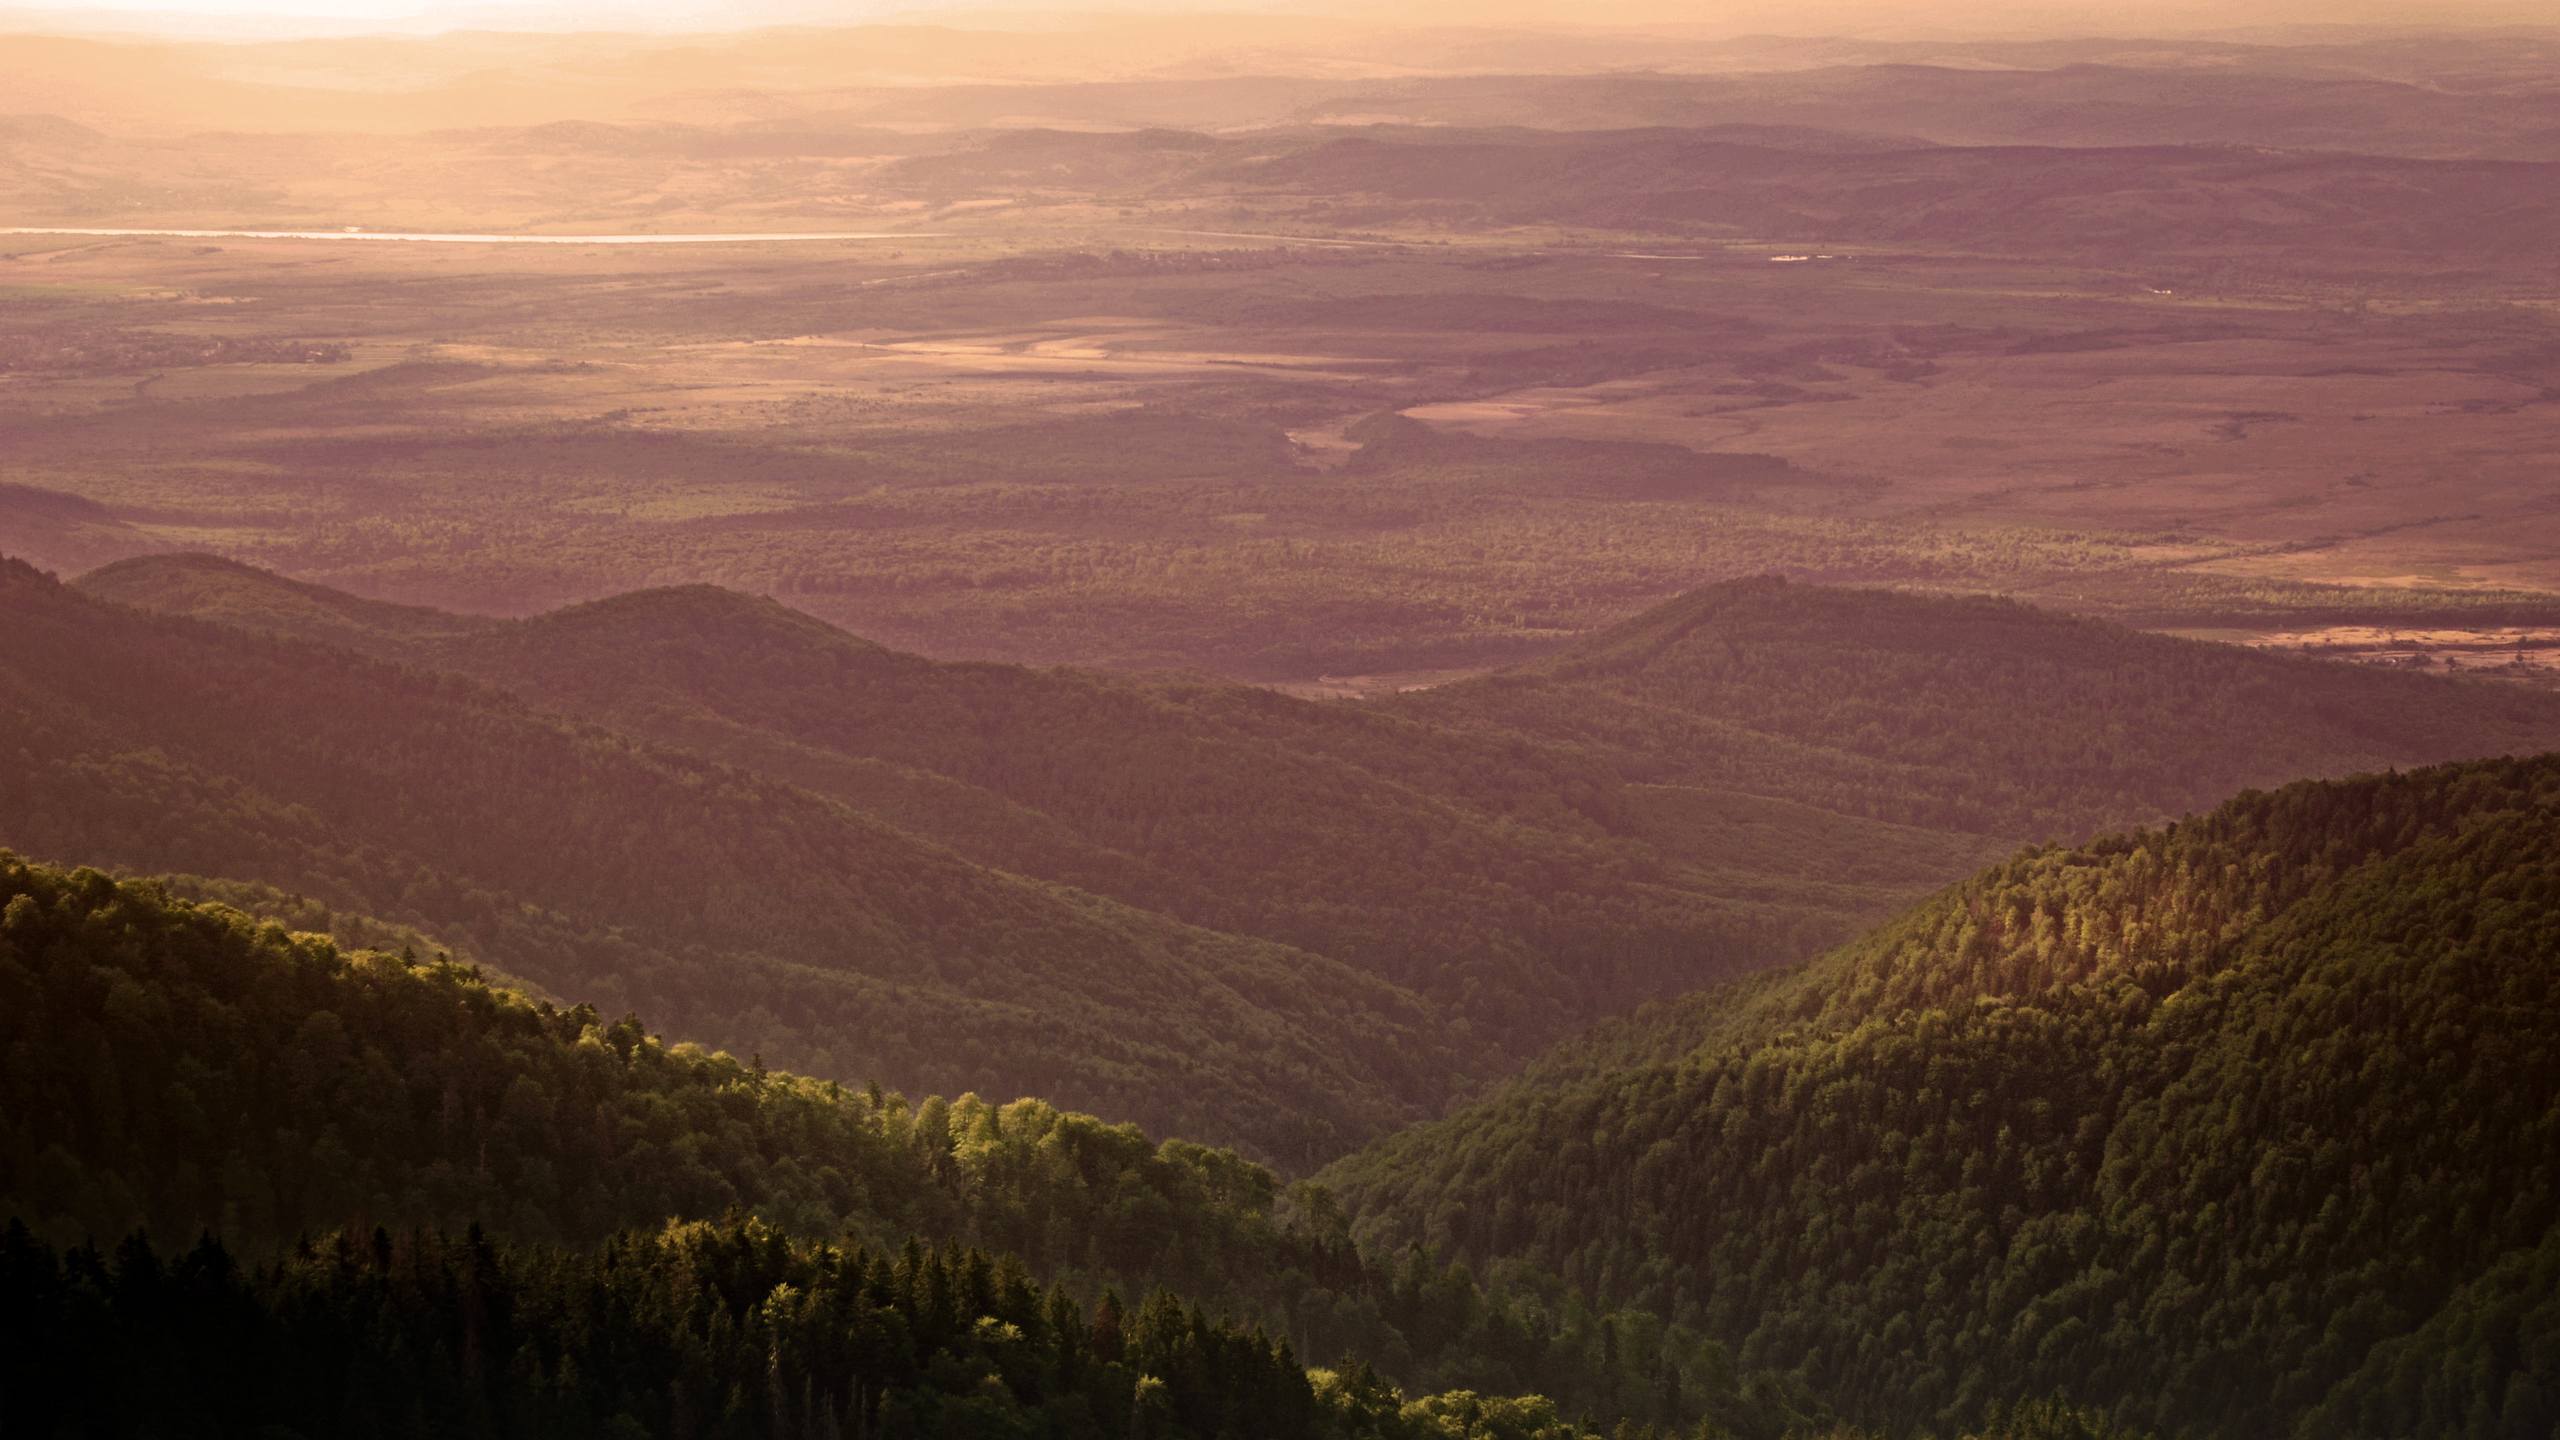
<point x="731" y="1331"/>
<point x="2242" y="1127"/>
<point x="186" y="1068"/>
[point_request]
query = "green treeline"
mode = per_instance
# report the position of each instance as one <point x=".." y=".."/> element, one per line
<point x="730" y="1331"/>
<point x="178" y="1068"/>
<point x="694" y="1332"/>
<point x="2245" y="1127"/>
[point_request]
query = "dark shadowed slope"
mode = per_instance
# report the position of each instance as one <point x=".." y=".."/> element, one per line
<point x="749" y="913"/>
<point x="1489" y="876"/>
<point x="1639" y="815"/>
<point x="1498" y="878"/>
<point x="2245" y="1127"/>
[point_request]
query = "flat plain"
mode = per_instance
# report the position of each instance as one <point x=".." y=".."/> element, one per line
<point x="1276" y="460"/>
<point x="1348" y="379"/>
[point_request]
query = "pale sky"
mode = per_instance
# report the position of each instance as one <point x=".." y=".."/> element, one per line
<point x="2116" y="17"/>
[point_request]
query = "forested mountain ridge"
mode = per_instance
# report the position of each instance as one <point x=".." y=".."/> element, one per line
<point x="186" y="1067"/>
<point x="1655" y="807"/>
<point x="771" y="919"/>
<point x="1940" y="1171"/>
<point x="1502" y="880"/>
<point x="180" y="1067"/>
<point x="2242" y="1127"/>
<point x="1492" y="878"/>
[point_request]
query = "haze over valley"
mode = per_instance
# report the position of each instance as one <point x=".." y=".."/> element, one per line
<point x="1434" y="724"/>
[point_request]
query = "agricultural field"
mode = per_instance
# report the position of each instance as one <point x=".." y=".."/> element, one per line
<point x="1277" y="460"/>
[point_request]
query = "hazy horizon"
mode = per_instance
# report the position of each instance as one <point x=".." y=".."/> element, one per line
<point x="1315" y="720"/>
<point x="2017" y="19"/>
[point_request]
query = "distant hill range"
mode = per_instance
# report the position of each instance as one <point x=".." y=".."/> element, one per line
<point x="2316" y="144"/>
<point x="1765" y="182"/>
<point x="2400" y="91"/>
<point x="1218" y="910"/>
<point x="772" y="919"/>
<point x="2115" y="194"/>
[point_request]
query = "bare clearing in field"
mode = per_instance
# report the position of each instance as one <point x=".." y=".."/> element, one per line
<point x="2522" y="653"/>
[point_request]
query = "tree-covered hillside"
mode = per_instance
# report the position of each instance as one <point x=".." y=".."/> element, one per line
<point x="2239" y="1127"/>
<point x="2249" y="1126"/>
<point x="1508" y="882"/>
<point x="178" y="1068"/>
<point x="1734" y="780"/>
<point x="760" y="917"/>
<point x="1493" y="878"/>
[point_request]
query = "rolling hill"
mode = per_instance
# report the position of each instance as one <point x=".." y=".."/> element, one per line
<point x="187" y="1070"/>
<point x="1950" y="1168"/>
<point x="2068" y="96"/>
<point x="1728" y="782"/>
<point x="1968" y="713"/>
<point x="1499" y="880"/>
<point x="769" y="919"/>
<point x="2241" y="1127"/>
<point x="63" y="532"/>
